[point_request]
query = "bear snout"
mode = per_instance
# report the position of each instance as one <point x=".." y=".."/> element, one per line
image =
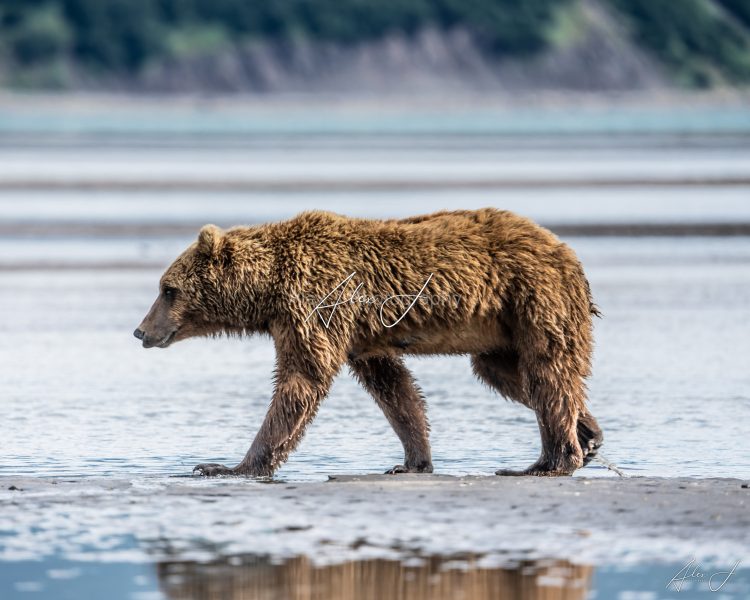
<point x="150" y="340"/>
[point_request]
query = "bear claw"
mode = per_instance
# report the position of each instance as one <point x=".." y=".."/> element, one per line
<point x="538" y="470"/>
<point x="423" y="468"/>
<point x="212" y="470"/>
<point x="510" y="473"/>
<point x="397" y="469"/>
<point x="529" y="472"/>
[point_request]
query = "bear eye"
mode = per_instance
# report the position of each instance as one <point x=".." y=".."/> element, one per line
<point x="169" y="293"/>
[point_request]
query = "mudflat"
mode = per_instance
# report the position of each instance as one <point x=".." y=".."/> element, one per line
<point x="396" y="517"/>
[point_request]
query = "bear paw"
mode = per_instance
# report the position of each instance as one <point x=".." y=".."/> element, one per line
<point x="590" y="444"/>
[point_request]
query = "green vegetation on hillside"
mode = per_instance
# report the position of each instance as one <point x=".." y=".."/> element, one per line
<point x="694" y="37"/>
<point x="739" y="9"/>
<point x="701" y="41"/>
<point x="123" y="35"/>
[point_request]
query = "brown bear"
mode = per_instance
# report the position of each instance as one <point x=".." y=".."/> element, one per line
<point x="332" y="290"/>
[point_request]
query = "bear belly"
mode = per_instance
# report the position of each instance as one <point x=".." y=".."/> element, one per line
<point x="474" y="337"/>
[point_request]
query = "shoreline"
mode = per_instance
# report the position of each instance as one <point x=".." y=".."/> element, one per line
<point x="104" y="100"/>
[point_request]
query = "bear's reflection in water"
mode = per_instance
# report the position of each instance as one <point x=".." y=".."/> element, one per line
<point x="258" y="578"/>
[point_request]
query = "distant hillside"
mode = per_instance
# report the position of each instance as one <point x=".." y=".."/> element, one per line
<point x="373" y="45"/>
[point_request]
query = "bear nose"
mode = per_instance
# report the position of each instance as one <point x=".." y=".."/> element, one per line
<point x="139" y="334"/>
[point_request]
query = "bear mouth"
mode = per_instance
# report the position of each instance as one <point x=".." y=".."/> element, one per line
<point x="167" y="340"/>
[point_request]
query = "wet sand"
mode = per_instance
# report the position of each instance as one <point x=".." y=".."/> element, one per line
<point x="492" y="519"/>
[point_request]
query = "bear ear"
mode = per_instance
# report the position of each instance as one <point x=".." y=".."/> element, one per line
<point x="209" y="240"/>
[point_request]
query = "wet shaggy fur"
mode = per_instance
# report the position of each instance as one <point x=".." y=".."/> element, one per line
<point x="332" y="290"/>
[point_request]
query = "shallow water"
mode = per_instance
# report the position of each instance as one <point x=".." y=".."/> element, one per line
<point x="83" y="398"/>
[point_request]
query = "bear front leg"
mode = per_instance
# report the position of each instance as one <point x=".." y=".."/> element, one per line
<point x="393" y="387"/>
<point x="295" y="402"/>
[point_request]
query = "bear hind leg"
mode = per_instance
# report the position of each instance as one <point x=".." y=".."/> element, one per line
<point x="557" y="397"/>
<point x="556" y="411"/>
<point x="392" y="386"/>
<point x="499" y="370"/>
<point x="561" y="450"/>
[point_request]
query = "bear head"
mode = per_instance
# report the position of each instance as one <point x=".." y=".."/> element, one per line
<point x="207" y="290"/>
